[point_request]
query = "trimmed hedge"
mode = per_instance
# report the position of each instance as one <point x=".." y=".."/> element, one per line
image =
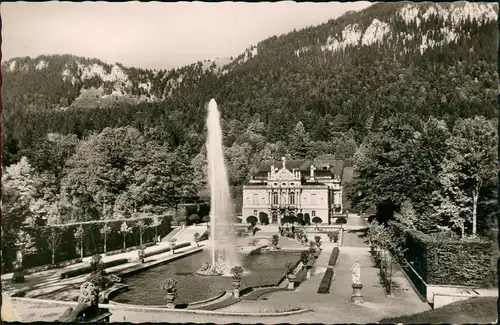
<point x="128" y="249"/>
<point x="445" y="261"/>
<point x="52" y="266"/>
<point x="164" y="250"/>
<point x="324" y="286"/>
<point x="88" y="268"/>
<point x="334" y="256"/>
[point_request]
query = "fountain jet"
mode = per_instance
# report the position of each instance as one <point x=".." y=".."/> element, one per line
<point x="222" y="236"/>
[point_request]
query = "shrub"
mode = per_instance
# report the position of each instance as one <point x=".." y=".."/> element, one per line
<point x="334" y="256"/>
<point x="446" y="261"/>
<point x="128" y="249"/>
<point x="290" y="267"/>
<point x="237" y="272"/>
<point x="252" y="220"/>
<point x="307" y="219"/>
<point x="306" y="256"/>
<point x="300" y="218"/>
<point x="324" y="286"/>
<point x="341" y="220"/>
<point x="317" y="240"/>
<point x="241" y="233"/>
<point x="194" y="218"/>
<point x="263" y="218"/>
<point x="333" y="236"/>
<point x="317" y="220"/>
<point x="165" y="250"/>
<point x="140" y="253"/>
<point x="169" y="285"/>
<point x="275" y="240"/>
<point x="90" y="268"/>
<point x="52" y="266"/>
<point x="95" y="261"/>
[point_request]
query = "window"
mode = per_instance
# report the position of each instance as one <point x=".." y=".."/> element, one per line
<point x="291" y="184"/>
<point x="256" y="199"/>
<point x="292" y="198"/>
<point x="313" y="213"/>
<point x="275" y="198"/>
<point x="313" y="198"/>
<point x="255" y="212"/>
<point x="283" y="184"/>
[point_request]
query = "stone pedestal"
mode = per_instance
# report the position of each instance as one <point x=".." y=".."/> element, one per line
<point x="236" y="293"/>
<point x="170" y="305"/>
<point x="357" y="296"/>
<point x="291" y="283"/>
<point x="18" y="276"/>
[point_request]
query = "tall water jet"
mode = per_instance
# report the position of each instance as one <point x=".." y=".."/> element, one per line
<point x="222" y="234"/>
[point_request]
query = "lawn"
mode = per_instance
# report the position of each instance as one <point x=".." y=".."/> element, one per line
<point x="478" y="310"/>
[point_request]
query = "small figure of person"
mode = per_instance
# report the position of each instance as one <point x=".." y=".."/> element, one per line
<point x="158" y="239"/>
<point x="293" y="229"/>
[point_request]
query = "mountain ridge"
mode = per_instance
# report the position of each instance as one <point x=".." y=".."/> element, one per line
<point x="356" y="70"/>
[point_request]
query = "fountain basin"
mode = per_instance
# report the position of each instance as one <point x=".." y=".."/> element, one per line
<point x="260" y="270"/>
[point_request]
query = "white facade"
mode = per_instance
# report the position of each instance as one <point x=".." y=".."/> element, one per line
<point x="289" y="192"/>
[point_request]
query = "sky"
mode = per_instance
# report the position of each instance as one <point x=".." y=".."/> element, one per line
<point x="153" y="35"/>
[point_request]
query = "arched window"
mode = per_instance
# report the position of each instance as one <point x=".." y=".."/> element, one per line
<point x="292" y="198"/>
<point x="275" y="198"/>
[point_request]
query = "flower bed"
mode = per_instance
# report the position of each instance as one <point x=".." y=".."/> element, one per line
<point x="333" y="257"/>
<point x="88" y="268"/>
<point x="52" y="266"/>
<point x="324" y="286"/>
<point x="165" y="250"/>
<point x="128" y="249"/>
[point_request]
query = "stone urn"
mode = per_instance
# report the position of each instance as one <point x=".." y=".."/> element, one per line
<point x="236" y="287"/>
<point x="308" y="269"/>
<point x="236" y="283"/>
<point x="170" y="297"/>
<point x="237" y="272"/>
<point x="141" y="255"/>
<point x="291" y="279"/>
<point x="169" y="287"/>
<point x="18" y="274"/>
<point x="357" y="296"/>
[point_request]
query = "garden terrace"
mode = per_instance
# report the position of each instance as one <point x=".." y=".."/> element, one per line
<point x="129" y="249"/>
<point x="88" y="268"/>
<point x="166" y="249"/>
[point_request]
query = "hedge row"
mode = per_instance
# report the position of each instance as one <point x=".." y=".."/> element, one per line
<point x="128" y="249"/>
<point x="324" y="286"/>
<point x="334" y="256"/>
<point x="88" y="268"/>
<point x="445" y="261"/>
<point x="52" y="266"/>
<point x="164" y="250"/>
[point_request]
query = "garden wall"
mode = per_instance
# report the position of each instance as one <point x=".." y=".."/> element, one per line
<point x="443" y="261"/>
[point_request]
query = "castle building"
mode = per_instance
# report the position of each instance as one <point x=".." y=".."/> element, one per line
<point x="299" y="186"/>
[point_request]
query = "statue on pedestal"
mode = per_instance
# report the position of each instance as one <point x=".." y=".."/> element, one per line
<point x="356" y="272"/>
<point x="357" y="296"/>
